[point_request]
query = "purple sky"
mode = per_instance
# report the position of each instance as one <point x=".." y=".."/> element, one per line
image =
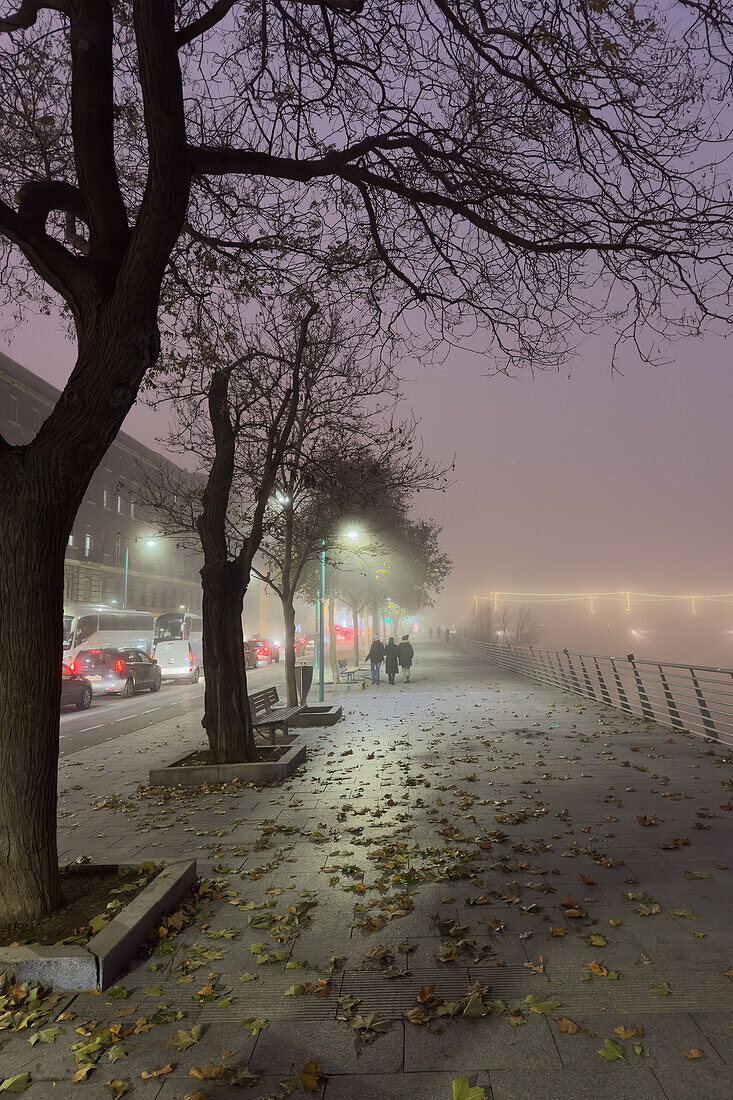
<point x="590" y="482"/>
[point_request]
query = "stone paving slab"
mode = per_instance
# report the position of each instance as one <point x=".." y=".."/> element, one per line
<point x="465" y="785"/>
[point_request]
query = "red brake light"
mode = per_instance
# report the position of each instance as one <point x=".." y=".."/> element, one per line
<point x="119" y="666"/>
<point x="72" y="667"/>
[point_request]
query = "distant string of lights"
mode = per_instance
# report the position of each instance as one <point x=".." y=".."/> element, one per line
<point x="627" y="598"/>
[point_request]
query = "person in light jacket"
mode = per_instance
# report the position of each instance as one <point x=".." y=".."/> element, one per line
<point x="375" y="656"/>
<point x="391" y="660"/>
<point x="406" y="655"/>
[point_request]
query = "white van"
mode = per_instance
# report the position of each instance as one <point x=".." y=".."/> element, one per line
<point x="178" y="660"/>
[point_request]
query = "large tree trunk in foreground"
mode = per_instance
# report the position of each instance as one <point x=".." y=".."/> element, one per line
<point x="227" y="719"/>
<point x="291" y="686"/>
<point x="31" y="600"/>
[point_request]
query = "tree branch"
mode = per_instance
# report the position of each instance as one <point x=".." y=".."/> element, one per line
<point x="92" y="127"/>
<point x="28" y="12"/>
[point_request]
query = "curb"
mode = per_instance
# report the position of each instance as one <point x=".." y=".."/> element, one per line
<point x="108" y="953"/>
<point x="257" y="771"/>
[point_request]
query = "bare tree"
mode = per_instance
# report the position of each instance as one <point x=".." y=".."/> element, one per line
<point x="247" y="403"/>
<point x="518" y="154"/>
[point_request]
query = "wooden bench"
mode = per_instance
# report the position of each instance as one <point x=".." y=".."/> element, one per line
<point x="349" y="673"/>
<point x="267" y="714"/>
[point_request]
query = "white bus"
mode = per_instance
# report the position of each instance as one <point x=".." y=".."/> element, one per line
<point x="97" y="626"/>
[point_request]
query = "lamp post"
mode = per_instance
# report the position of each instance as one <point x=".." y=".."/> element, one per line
<point x="321" y="640"/>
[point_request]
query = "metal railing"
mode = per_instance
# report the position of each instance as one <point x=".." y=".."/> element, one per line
<point x="685" y="697"/>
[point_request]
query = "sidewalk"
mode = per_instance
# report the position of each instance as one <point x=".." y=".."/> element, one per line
<point x="492" y="833"/>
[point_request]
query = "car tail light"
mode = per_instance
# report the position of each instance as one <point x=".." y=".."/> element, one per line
<point x="190" y="657"/>
<point x="119" y="666"/>
<point x="72" y="667"/>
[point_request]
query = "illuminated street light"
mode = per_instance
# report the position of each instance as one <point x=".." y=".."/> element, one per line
<point x="352" y="534"/>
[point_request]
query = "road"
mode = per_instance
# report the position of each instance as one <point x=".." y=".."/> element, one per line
<point x="110" y="717"/>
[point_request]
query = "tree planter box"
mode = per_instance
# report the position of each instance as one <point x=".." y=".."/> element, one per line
<point x="258" y="771"/>
<point x="107" y="954"/>
<point x="318" y="715"/>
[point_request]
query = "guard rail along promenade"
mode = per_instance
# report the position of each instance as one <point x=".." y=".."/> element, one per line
<point x="686" y="697"/>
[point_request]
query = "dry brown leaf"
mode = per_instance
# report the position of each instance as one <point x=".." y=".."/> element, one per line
<point x="694" y="1052"/>
<point x="147" y="1074"/>
<point x="626" y="1032"/>
<point x="566" y="1026"/>
<point x="597" y="968"/>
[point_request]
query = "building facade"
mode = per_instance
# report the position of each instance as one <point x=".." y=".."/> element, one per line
<point x="115" y="554"/>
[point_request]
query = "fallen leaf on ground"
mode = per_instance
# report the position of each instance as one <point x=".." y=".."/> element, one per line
<point x="566" y="1026"/>
<point x="695" y="1052"/>
<point x="307" y="1080"/>
<point x="611" y="1052"/>
<point x="147" y="1074"/>
<point x="463" y="1091"/>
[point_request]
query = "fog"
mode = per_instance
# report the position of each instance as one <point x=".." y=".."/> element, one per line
<point x="572" y="482"/>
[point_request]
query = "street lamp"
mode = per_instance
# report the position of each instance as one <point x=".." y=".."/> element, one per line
<point x="321" y="645"/>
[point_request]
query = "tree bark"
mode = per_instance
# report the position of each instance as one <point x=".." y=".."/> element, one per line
<point x="355" y="620"/>
<point x="34" y="536"/>
<point x="291" y="686"/>
<point x="227" y="718"/>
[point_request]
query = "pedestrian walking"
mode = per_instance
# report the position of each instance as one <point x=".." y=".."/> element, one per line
<point x="447" y="636"/>
<point x="437" y="633"/>
<point x="406" y="653"/>
<point x="430" y="634"/>
<point x="391" y="660"/>
<point x="375" y="656"/>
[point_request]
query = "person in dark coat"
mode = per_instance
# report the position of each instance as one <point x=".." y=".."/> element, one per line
<point x="391" y="660"/>
<point x="406" y="655"/>
<point x="375" y="656"/>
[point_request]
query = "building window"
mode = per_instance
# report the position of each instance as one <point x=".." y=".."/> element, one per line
<point x="105" y="497"/>
<point x="14" y="415"/>
<point x="87" y="544"/>
<point x="132" y="508"/>
<point x="72" y="539"/>
<point x="119" y="505"/>
<point x="118" y="549"/>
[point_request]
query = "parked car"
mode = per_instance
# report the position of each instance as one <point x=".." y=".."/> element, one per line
<point x="177" y="660"/>
<point x="267" y="651"/>
<point x="251" y="659"/>
<point x="118" y="671"/>
<point x="76" y="691"/>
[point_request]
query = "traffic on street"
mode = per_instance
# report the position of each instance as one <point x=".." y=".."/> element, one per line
<point x="110" y="717"/>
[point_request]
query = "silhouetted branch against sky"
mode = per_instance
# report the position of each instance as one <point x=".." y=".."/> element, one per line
<point x="516" y="165"/>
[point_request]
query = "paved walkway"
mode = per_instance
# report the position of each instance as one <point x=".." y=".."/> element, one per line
<point x="473" y="876"/>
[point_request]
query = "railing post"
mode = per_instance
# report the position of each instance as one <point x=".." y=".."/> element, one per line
<point x="560" y="670"/>
<point x="604" y="690"/>
<point x="674" y="714"/>
<point x="623" y="700"/>
<point x="573" y="677"/>
<point x="707" y="718"/>
<point x="646" y="708"/>
<point x="586" y="677"/>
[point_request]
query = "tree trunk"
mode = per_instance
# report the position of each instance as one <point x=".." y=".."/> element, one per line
<point x="291" y="686"/>
<point x="355" y="620"/>
<point x="336" y="679"/>
<point x="227" y="719"/>
<point x="34" y="537"/>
